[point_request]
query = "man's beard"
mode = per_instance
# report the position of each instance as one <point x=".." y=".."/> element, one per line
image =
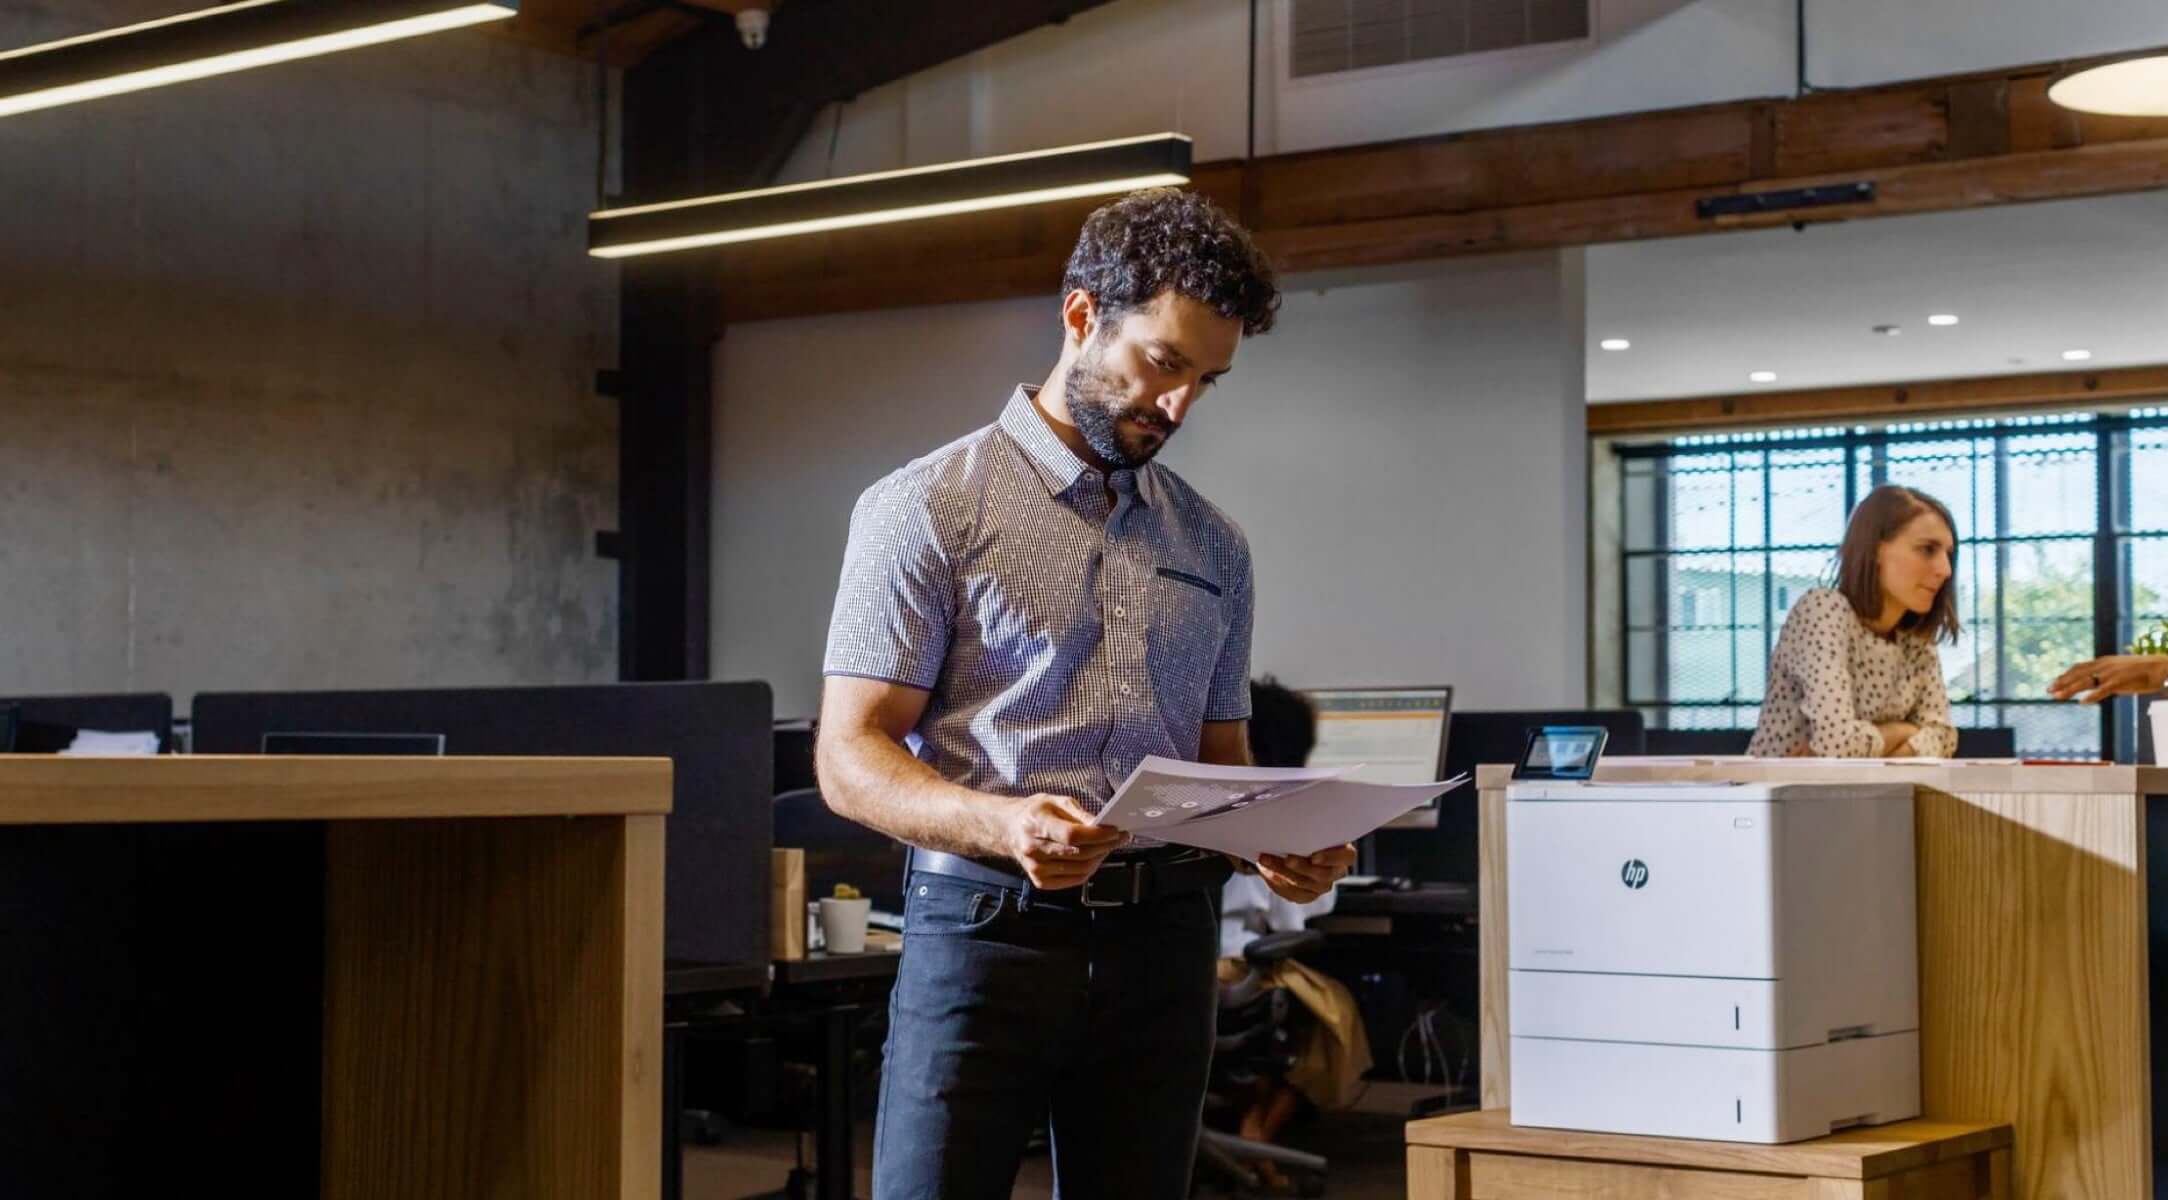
<point x="1095" y="404"/>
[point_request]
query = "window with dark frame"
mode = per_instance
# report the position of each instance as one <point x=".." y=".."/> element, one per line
<point x="2062" y="524"/>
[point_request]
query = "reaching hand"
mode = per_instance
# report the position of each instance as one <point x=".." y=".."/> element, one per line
<point x="1053" y="839"/>
<point x="2094" y="680"/>
<point x="1304" y="877"/>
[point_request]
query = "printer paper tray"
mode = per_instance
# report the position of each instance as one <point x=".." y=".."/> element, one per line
<point x="1714" y="1094"/>
<point x="1674" y="1009"/>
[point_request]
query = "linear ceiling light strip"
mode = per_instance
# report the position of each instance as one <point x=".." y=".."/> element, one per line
<point x="1007" y="181"/>
<point x="218" y="41"/>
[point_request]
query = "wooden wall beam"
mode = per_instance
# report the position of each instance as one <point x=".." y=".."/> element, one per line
<point x="1928" y="146"/>
<point x="1883" y="401"/>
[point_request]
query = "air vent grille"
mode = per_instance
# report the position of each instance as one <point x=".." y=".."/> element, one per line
<point x="1348" y="35"/>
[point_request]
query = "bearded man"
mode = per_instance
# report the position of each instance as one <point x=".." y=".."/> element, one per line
<point x="1024" y="615"/>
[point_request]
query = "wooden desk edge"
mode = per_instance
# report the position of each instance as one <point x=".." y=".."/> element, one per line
<point x="1973" y="776"/>
<point x="52" y="790"/>
<point x="1852" y="1154"/>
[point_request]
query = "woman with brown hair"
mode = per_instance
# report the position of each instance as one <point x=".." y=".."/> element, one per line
<point x="1854" y="674"/>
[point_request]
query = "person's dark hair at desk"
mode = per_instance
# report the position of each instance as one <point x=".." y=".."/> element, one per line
<point x="1043" y="606"/>
<point x="1283" y="725"/>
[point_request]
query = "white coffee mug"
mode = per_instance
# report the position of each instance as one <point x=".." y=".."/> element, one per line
<point x="2158" y="711"/>
<point x="843" y="924"/>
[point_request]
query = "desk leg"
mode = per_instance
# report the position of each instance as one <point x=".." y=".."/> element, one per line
<point x="673" y="1111"/>
<point x="1437" y="1173"/>
<point x="836" y="1163"/>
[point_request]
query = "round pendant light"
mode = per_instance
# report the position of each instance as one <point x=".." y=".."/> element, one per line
<point x="2134" y="87"/>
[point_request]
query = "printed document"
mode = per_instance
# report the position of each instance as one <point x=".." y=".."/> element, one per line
<point x="1252" y="811"/>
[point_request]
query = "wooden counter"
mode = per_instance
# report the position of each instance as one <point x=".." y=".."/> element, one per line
<point x="2033" y="953"/>
<point x="357" y="978"/>
<point x="1481" y="1156"/>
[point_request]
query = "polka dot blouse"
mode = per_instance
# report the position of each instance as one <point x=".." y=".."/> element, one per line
<point x="1832" y="680"/>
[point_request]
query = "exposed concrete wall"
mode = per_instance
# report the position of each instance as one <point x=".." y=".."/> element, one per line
<point x="296" y="375"/>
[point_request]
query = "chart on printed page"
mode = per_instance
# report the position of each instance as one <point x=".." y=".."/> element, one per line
<point x="1253" y="811"/>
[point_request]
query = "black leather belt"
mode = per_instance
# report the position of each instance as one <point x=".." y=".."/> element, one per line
<point x="1120" y="881"/>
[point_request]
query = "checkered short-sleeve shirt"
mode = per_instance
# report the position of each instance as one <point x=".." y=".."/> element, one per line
<point x="1062" y="638"/>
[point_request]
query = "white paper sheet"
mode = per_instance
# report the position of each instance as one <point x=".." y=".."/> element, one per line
<point x="1251" y="811"/>
<point x="98" y="743"/>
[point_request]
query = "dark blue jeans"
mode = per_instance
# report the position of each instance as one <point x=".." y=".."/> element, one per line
<point x="1007" y="1010"/>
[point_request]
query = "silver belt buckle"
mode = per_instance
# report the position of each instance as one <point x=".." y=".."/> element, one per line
<point x="1136" y="887"/>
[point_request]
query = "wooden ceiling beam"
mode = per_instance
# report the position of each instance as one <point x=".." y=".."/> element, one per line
<point x="1929" y="146"/>
<point x="1904" y="401"/>
<point x="569" y="27"/>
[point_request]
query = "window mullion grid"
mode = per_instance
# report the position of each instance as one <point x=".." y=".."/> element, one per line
<point x="2002" y="572"/>
<point x="1731" y="623"/>
<point x="1769" y="569"/>
<point x="2107" y="581"/>
<point x="1660" y="620"/>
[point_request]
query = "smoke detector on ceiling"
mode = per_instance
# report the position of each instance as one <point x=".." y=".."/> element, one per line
<point x="753" y="27"/>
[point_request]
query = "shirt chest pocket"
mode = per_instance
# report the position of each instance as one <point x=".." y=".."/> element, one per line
<point x="1188" y="626"/>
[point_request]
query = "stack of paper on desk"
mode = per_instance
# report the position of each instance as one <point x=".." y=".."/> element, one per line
<point x="1251" y="811"/>
<point x="99" y="743"/>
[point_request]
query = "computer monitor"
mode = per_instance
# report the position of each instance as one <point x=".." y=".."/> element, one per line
<point x="1394" y="734"/>
<point x="424" y="745"/>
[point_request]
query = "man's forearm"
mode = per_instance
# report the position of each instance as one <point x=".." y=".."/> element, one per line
<point x="868" y="777"/>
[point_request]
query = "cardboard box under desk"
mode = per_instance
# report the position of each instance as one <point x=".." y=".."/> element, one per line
<point x="786" y="931"/>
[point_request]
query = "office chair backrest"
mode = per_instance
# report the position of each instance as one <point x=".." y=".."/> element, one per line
<point x="1697" y="741"/>
<point x="794" y="757"/>
<point x="840" y="850"/>
<point x="1996" y="742"/>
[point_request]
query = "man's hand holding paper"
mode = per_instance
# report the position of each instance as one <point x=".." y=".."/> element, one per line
<point x="1302" y="818"/>
<point x="1304" y="877"/>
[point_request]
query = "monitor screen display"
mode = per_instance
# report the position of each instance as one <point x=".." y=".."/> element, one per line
<point x="1397" y="735"/>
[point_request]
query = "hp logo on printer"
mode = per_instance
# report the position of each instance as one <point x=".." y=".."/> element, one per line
<point x="1635" y="874"/>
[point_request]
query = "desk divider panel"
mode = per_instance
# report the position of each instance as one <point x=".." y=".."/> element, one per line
<point x="721" y="737"/>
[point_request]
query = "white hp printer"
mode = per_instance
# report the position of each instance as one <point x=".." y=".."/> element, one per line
<point x="1734" y="962"/>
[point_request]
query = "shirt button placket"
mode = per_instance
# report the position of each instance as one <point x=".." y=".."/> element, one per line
<point x="1121" y="655"/>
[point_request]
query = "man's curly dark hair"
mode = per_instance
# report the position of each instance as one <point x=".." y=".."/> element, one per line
<point x="1148" y="242"/>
